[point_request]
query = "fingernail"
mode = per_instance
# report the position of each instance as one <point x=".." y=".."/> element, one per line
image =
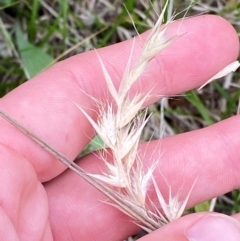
<point x="214" y="228"/>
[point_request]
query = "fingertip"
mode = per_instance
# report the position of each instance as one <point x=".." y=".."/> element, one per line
<point x="223" y="38"/>
<point x="198" y="227"/>
<point x="214" y="227"/>
<point x="205" y="45"/>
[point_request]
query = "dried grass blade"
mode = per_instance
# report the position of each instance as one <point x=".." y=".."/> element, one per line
<point x="225" y="71"/>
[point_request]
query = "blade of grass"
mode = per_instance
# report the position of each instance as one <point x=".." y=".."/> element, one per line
<point x="78" y="44"/>
<point x="236" y="198"/>
<point x="95" y="145"/>
<point x="32" y="23"/>
<point x="193" y="98"/>
<point x="130" y="5"/>
<point x="202" y="207"/>
<point x="63" y="17"/>
<point x="7" y="38"/>
<point x="7" y="4"/>
<point x="34" y="59"/>
<point x="222" y="91"/>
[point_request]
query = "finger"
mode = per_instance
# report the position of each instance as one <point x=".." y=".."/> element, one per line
<point x="236" y="216"/>
<point x="45" y="105"/>
<point x="209" y="156"/>
<point x="82" y="212"/>
<point x="198" y="227"/>
<point x="24" y="206"/>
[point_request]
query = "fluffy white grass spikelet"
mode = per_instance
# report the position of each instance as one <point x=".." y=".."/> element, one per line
<point x="156" y="42"/>
<point x="120" y="125"/>
<point x="173" y="209"/>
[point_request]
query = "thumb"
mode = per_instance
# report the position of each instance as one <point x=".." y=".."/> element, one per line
<point x="199" y="227"/>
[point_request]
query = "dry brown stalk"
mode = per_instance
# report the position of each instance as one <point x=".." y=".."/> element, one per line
<point x="117" y="199"/>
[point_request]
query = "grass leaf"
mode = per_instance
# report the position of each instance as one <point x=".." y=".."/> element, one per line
<point x="202" y="207"/>
<point x="194" y="99"/>
<point x="34" y="59"/>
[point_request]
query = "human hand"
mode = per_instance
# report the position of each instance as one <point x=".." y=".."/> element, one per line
<point x="65" y="207"/>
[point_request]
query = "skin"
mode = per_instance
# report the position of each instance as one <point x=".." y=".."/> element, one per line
<point x="41" y="200"/>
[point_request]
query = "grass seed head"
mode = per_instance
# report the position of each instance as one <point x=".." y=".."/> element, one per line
<point x="121" y="127"/>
